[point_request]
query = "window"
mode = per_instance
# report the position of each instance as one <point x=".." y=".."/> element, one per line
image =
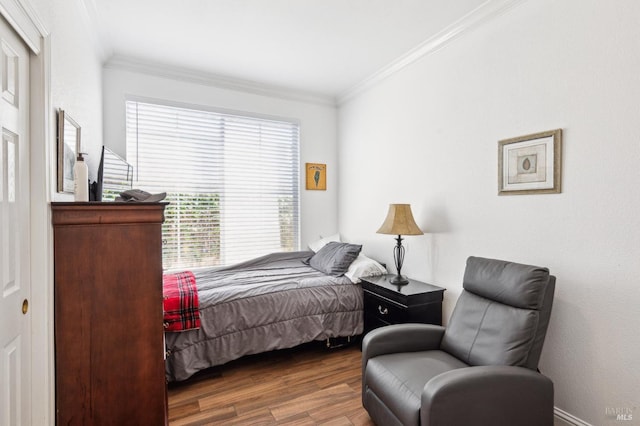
<point x="232" y="181"/>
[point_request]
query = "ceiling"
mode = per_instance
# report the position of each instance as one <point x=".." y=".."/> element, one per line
<point x="324" y="47"/>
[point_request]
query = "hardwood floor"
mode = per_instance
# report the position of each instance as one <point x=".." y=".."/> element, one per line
<point x="307" y="385"/>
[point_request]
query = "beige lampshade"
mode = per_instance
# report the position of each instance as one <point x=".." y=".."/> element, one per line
<point x="400" y="221"/>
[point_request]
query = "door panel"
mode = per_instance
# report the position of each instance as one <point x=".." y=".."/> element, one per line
<point x="15" y="326"/>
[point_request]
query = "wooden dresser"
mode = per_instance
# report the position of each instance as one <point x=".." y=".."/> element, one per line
<point x="108" y="314"/>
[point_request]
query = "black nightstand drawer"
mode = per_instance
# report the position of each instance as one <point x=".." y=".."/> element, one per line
<point x="373" y="322"/>
<point x="386" y="304"/>
<point x="384" y="309"/>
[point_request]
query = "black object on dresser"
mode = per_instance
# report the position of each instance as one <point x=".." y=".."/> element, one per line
<point x="386" y="303"/>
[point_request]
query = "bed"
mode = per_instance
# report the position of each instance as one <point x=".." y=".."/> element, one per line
<point x="273" y="302"/>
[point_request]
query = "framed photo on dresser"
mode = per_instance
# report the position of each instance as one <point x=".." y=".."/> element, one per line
<point x="68" y="149"/>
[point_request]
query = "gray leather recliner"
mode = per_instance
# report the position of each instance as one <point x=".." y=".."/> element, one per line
<point x="479" y="370"/>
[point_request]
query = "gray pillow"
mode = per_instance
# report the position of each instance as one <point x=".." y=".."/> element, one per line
<point x="335" y="258"/>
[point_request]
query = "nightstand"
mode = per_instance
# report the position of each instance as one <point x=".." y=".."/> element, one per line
<point x="386" y="303"/>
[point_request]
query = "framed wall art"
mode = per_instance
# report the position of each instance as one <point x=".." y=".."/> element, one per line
<point x="530" y="164"/>
<point x="68" y="149"/>
<point x="316" y="176"/>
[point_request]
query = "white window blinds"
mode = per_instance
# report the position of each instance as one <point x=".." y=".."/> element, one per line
<point x="232" y="182"/>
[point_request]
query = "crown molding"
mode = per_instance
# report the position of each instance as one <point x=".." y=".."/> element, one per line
<point x="96" y="29"/>
<point x="119" y="62"/>
<point x="477" y="17"/>
<point x="25" y="21"/>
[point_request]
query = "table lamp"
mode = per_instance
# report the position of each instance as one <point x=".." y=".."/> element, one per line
<point x="399" y="222"/>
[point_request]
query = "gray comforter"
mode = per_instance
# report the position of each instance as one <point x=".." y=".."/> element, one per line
<point x="272" y="302"/>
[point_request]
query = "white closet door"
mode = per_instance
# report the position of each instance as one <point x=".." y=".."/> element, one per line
<point x="15" y="318"/>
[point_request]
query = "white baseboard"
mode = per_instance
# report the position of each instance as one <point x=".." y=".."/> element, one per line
<point x="568" y="419"/>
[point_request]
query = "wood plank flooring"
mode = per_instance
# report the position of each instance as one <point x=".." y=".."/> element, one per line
<point x="307" y="385"/>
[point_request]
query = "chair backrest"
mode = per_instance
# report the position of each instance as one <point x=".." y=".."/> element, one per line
<point x="502" y="315"/>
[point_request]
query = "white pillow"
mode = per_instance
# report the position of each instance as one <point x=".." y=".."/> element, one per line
<point x="317" y="245"/>
<point x="364" y="267"/>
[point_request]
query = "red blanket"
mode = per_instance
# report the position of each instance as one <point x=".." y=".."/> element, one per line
<point x="181" y="309"/>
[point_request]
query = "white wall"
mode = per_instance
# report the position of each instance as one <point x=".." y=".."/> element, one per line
<point x="317" y="130"/>
<point x="76" y="76"/>
<point x="428" y="136"/>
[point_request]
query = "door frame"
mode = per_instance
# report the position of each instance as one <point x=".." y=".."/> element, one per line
<point x="24" y="20"/>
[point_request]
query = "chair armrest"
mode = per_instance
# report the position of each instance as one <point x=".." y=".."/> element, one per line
<point x="488" y="395"/>
<point x="401" y="338"/>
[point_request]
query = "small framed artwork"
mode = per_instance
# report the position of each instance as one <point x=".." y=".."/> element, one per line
<point x="316" y="176"/>
<point x="530" y="164"/>
<point x="68" y="149"/>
